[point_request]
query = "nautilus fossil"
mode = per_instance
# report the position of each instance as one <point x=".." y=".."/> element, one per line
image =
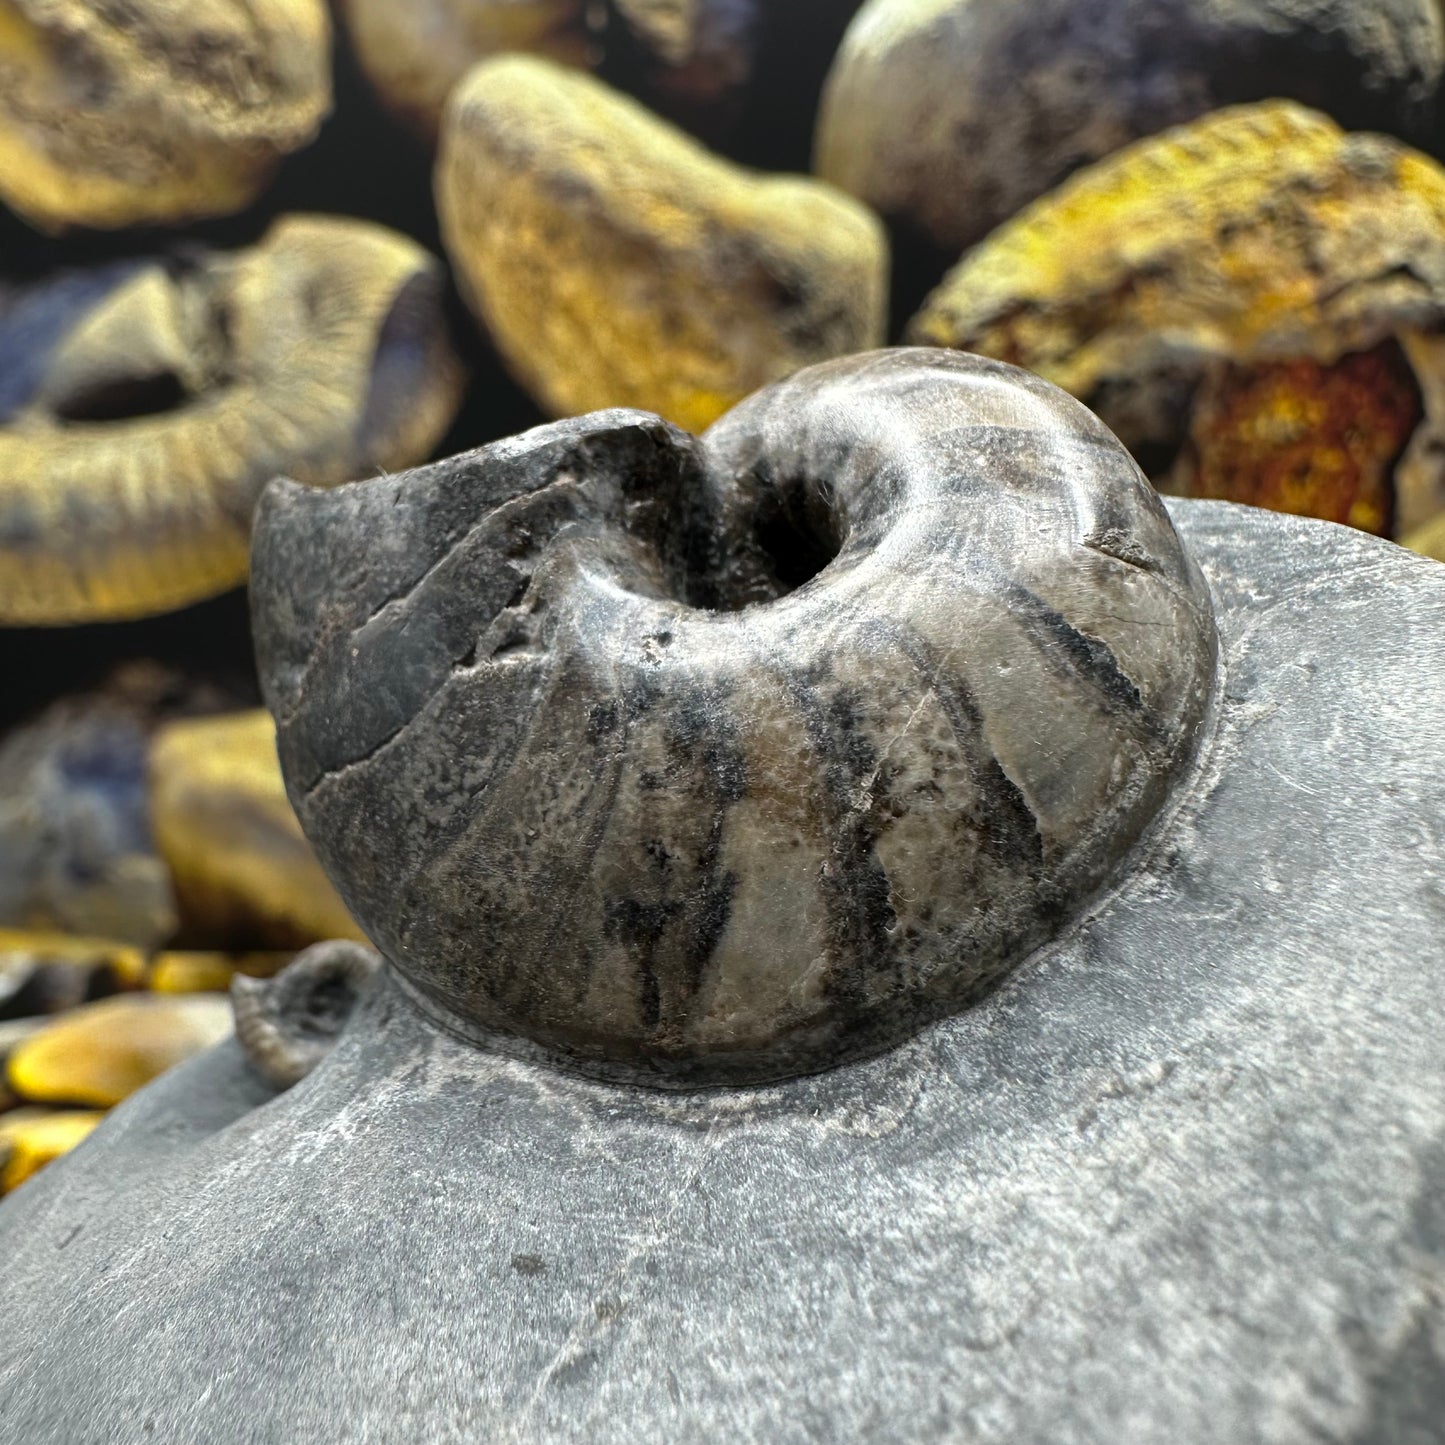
<point x="616" y="262"/>
<point x="144" y="404"/>
<point x="1251" y="302"/>
<point x="952" y="115"/>
<point x="154" y="111"/>
<point x="594" y="765"/>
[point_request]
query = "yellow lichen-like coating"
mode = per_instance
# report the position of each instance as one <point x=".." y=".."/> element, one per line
<point x="1258" y="232"/>
<point x="101" y="1053"/>
<point x="280" y="353"/>
<point x="415" y="52"/>
<point x="617" y="262"/>
<point x="154" y="111"/>
<point x="222" y="822"/>
<point x="32" y="1138"/>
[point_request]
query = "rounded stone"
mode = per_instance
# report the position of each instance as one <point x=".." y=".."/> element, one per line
<point x="952" y="115"/>
<point x="594" y="765"/>
<point x="616" y="262"/>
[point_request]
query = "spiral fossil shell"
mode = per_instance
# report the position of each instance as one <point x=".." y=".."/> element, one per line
<point x="590" y="767"/>
<point x="1249" y="299"/>
<point x="123" y="112"/>
<point x="144" y="406"/>
<point x="618" y="263"/>
<point x="955" y="114"/>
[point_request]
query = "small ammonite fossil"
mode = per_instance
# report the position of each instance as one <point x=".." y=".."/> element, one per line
<point x="617" y="262"/>
<point x="952" y="115"/>
<point x="1251" y="302"/>
<point x="287" y="1024"/>
<point x="143" y="405"/>
<point x="726" y="757"/>
<point x="154" y="111"/>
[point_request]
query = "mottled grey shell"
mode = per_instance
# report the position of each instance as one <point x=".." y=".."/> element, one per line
<point x="596" y="762"/>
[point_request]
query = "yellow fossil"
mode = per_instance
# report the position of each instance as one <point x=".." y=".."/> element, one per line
<point x="1245" y="300"/>
<point x="617" y="262"/>
<point x="241" y="867"/>
<point x="154" y="110"/>
<point x="143" y="407"/>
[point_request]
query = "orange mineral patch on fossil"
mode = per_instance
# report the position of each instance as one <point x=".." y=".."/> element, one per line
<point x="1298" y="436"/>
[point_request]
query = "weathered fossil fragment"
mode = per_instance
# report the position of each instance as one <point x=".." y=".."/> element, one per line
<point x="288" y="1024"/>
<point x="592" y="770"/>
<point x="146" y="111"/>
<point x="210" y="970"/>
<point x="243" y="872"/>
<point x="617" y="262"/>
<point x="954" y="114"/>
<point x="1247" y="301"/>
<point x="100" y="1053"/>
<point x="144" y="405"/>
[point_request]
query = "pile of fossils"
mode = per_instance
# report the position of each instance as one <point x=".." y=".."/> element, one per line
<point x="239" y="245"/>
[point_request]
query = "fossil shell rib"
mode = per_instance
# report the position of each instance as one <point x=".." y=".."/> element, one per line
<point x="577" y="788"/>
<point x="1219" y="283"/>
<point x="954" y="114"/>
<point x="144" y="406"/>
<point x="287" y="1024"/>
<point x="616" y="262"/>
<point x="154" y="111"/>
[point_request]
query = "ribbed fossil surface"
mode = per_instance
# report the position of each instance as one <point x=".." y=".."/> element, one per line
<point x="594" y="764"/>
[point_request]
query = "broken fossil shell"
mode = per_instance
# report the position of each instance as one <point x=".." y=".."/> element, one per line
<point x="1245" y="301"/>
<point x="954" y="114"/>
<point x="617" y="262"/>
<point x="589" y="772"/>
<point x="241" y="868"/>
<point x="145" y="404"/>
<point x="100" y="1053"/>
<point x="286" y="1025"/>
<point x="154" y="111"/>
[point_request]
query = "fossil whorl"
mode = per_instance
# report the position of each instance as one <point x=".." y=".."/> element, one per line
<point x="144" y="405"/>
<point x="595" y="761"/>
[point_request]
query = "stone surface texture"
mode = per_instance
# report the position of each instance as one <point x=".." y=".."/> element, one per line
<point x="1180" y="1178"/>
<point x="952" y="115"/>
<point x="617" y="262"/>
<point x="595" y="766"/>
